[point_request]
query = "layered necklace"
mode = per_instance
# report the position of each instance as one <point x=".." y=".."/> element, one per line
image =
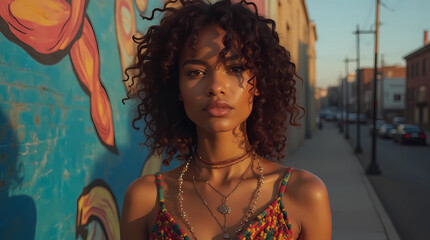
<point x="226" y="163"/>
<point x="224" y="209"/>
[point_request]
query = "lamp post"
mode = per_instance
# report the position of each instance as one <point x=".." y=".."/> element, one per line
<point x="358" y="148"/>
<point x="373" y="167"/>
<point x="341" y="105"/>
<point x="347" y="60"/>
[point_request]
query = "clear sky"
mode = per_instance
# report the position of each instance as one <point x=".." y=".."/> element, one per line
<point x="401" y="31"/>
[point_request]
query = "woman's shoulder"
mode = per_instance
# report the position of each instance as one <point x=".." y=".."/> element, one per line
<point x="304" y="185"/>
<point x="139" y="208"/>
<point x="147" y="185"/>
<point x="141" y="194"/>
<point x="308" y="195"/>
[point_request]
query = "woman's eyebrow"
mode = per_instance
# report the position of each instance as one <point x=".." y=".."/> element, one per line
<point x="195" y="62"/>
<point x="232" y="58"/>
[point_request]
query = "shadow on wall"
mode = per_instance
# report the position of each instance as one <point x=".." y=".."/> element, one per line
<point x="100" y="202"/>
<point x="18" y="212"/>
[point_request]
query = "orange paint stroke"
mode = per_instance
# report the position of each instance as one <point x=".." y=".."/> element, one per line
<point x="47" y="26"/>
<point x="85" y="59"/>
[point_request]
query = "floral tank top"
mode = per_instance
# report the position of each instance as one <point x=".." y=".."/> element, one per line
<point x="272" y="223"/>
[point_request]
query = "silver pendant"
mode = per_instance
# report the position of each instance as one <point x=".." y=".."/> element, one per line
<point x="226" y="235"/>
<point x="224" y="209"/>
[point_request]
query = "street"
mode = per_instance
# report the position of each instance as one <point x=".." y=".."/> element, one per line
<point x="404" y="185"/>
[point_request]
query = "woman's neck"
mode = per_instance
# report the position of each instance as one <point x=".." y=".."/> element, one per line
<point x="221" y="147"/>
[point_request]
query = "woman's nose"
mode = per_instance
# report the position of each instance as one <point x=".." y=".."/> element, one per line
<point x="217" y="84"/>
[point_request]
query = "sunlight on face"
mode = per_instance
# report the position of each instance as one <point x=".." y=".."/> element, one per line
<point x="216" y="95"/>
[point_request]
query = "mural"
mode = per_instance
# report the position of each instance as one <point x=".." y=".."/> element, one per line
<point x="125" y="29"/>
<point x="50" y="29"/>
<point x="64" y="168"/>
<point x="97" y="214"/>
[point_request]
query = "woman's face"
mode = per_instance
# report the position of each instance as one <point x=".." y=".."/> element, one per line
<point x="216" y="95"/>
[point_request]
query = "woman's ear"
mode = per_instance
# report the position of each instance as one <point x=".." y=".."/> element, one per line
<point x="256" y="92"/>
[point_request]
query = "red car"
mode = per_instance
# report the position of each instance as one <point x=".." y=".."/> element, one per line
<point x="407" y="133"/>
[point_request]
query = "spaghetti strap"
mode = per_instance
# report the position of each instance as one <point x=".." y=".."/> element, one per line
<point x="285" y="181"/>
<point x="160" y="191"/>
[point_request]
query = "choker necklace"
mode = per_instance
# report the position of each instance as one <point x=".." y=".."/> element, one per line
<point x="224" y="208"/>
<point x="245" y="218"/>
<point x="227" y="162"/>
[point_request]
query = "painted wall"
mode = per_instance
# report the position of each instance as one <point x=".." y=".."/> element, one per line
<point x="67" y="148"/>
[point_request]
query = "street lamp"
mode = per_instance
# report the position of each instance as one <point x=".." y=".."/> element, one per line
<point x="341" y="105"/>
<point x="347" y="60"/>
<point x="358" y="77"/>
<point x="373" y="167"/>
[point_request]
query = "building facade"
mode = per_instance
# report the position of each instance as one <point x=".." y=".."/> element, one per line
<point x="418" y="85"/>
<point x="391" y="98"/>
<point x="389" y="83"/>
<point x="298" y="35"/>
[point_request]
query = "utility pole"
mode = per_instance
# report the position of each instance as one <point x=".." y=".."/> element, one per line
<point x="341" y="105"/>
<point x="373" y="168"/>
<point x="347" y="60"/>
<point x="358" y="148"/>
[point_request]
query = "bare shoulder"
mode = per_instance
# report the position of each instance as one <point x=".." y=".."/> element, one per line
<point x="310" y="197"/>
<point x="140" y="201"/>
<point x="305" y="186"/>
<point x="142" y="190"/>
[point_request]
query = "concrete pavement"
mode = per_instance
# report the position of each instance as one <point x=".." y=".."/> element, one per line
<point x="356" y="210"/>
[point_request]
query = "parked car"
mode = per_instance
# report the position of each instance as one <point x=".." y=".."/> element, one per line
<point x="379" y="123"/>
<point x="397" y="121"/>
<point x="363" y="118"/>
<point x="352" y="117"/>
<point x="408" y="133"/>
<point x="330" y="116"/>
<point x="386" y="131"/>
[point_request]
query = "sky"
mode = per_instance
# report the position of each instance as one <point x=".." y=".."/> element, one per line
<point x="401" y="32"/>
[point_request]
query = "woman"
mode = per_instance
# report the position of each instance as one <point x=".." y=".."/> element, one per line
<point x="217" y="90"/>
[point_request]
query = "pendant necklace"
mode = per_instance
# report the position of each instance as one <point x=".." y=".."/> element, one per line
<point x="245" y="218"/>
<point x="224" y="209"/>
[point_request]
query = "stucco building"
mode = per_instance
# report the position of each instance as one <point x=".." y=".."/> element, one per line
<point x="390" y="94"/>
<point x="298" y="35"/>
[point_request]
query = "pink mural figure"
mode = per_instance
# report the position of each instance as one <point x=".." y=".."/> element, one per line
<point x="97" y="215"/>
<point x="49" y="30"/>
<point x="125" y="23"/>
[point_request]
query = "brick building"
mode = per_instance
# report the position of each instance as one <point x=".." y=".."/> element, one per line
<point x="418" y="85"/>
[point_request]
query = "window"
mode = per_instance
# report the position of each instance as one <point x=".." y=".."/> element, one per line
<point x="417" y="69"/>
<point x="397" y="97"/>
<point x="424" y="67"/>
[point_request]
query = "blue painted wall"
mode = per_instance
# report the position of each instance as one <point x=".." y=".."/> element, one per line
<point x="50" y="152"/>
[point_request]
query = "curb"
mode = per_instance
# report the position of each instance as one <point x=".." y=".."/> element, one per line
<point x="387" y="224"/>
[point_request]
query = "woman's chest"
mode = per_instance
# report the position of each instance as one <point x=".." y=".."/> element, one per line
<point x="205" y="213"/>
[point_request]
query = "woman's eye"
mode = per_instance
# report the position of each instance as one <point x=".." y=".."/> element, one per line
<point x="195" y="73"/>
<point x="237" y="69"/>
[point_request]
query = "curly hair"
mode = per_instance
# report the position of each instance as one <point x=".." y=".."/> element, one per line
<point x="155" y="76"/>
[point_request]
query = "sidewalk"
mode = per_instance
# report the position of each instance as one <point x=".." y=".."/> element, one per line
<point x="356" y="210"/>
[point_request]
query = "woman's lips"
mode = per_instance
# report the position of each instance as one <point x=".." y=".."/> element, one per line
<point x="218" y="108"/>
<point x="218" y="112"/>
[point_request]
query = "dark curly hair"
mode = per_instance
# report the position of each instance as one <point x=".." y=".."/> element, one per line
<point x="155" y="77"/>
